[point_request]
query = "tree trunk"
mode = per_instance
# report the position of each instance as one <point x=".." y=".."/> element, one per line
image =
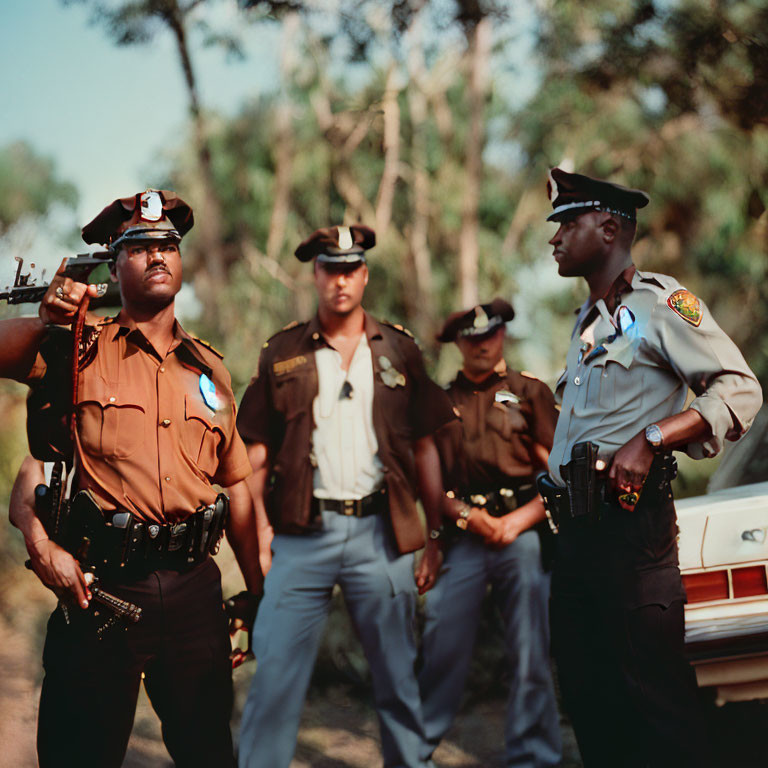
<point x="419" y="226"/>
<point x="211" y="272"/>
<point x="478" y="51"/>
<point x="284" y="148"/>
<point x="391" y="173"/>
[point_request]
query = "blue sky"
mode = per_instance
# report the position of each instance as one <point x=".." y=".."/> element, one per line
<point x="104" y="113"/>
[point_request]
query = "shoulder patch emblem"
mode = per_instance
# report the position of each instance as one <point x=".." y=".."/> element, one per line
<point x="685" y="304"/>
<point x="281" y="367"/>
<point x="209" y="346"/>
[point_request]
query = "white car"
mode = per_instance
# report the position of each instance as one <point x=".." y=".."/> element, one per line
<point x="723" y="547"/>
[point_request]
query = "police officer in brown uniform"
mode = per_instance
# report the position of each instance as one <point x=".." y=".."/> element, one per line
<point x="154" y="430"/>
<point x="640" y="342"/>
<point x="339" y="422"/>
<point x="507" y="425"/>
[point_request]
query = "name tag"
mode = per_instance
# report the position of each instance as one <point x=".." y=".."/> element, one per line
<point x="281" y="367"/>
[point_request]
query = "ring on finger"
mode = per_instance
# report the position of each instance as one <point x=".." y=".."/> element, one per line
<point x="60" y="292"/>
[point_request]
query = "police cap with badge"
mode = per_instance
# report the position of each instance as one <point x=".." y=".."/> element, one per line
<point x="573" y="194"/>
<point x="476" y="323"/>
<point x="337" y="245"/>
<point x="155" y="214"/>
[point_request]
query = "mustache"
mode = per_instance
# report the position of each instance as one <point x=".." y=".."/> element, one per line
<point x="160" y="266"/>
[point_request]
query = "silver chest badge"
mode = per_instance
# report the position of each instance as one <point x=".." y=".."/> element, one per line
<point x="389" y="374"/>
<point x="504" y="397"/>
<point x="208" y="391"/>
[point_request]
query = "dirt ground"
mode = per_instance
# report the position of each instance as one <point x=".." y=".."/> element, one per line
<point x="338" y="730"/>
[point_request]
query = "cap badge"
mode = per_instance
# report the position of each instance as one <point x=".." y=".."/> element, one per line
<point x="685" y="304"/>
<point x="481" y="319"/>
<point x="151" y="206"/>
<point x="345" y="238"/>
<point x="208" y="391"/>
<point x="389" y="374"/>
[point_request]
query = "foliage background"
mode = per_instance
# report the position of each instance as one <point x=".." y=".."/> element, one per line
<point x="436" y="123"/>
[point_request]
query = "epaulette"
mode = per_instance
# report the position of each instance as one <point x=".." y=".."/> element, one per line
<point x="529" y="375"/>
<point x="400" y="328"/>
<point x="209" y="346"/>
<point x="293" y="324"/>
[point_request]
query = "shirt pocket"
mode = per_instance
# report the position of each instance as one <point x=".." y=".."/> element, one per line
<point x="290" y="396"/>
<point x="111" y="423"/>
<point x="202" y="435"/>
<point x="613" y="383"/>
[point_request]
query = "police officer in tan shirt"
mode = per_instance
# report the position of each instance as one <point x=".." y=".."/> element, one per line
<point x="154" y="430"/>
<point x="641" y="341"/>
<point x="507" y="422"/>
<point x="339" y="423"/>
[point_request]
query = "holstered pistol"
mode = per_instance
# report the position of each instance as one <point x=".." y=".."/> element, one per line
<point x="580" y="478"/>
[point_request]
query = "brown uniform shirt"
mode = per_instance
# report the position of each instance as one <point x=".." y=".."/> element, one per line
<point x="147" y="441"/>
<point x="502" y="418"/>
<point x="276" y="410"/>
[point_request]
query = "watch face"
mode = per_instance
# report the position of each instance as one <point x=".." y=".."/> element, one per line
<point x="653" y="435"/>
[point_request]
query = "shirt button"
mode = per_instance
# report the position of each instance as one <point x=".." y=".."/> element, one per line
<point x="315" y="335"/>
<point x="162" y="369"/>
<point x="112" y="399"/>
<point x="167" y="479"/>
<point x="165" y="423"/>
<point x="577" y="381"/>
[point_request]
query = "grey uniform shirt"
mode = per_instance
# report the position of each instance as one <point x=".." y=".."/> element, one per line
<point x="633" y="367"/>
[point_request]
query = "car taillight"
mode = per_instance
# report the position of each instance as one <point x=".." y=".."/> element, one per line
<point x="749" y="581"/>
<point x="712" y="585"/>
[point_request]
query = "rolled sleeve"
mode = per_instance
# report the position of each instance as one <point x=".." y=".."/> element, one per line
<point x="728" y="395"/>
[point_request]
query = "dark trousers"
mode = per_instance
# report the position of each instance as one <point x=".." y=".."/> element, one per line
<point x="617" y="623"/>
<point x="180" y="645"/>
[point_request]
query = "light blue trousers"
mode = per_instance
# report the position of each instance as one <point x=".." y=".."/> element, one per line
<point x="520" y="588"/>
<point x="379" y="591"/>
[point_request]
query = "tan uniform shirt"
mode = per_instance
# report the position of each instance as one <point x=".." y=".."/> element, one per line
<point x="277" y="411"/>
<point x="502" y="418"/>
<point x="147" y="439"/>
<point x="633" y="366"/>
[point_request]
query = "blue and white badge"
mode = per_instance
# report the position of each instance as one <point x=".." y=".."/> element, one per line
<point x="208" y="391"/>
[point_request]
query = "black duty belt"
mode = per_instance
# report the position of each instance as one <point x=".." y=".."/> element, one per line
<point x="591" y="502"/>
<point x="499" y="501"/>
<point x="141" y="544"/>
<point x="372" y="504"/>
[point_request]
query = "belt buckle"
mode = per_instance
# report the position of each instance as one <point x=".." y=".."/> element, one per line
<point x="349" y="507"/>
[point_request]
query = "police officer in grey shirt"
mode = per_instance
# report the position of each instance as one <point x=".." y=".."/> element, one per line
<point x="640" y="342"/>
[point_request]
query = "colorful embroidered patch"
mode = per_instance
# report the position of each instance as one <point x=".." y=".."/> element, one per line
<point x="686" y="305"/>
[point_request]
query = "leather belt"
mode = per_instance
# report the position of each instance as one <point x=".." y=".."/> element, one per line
<point x="372" y="504"/>
<point x="499" y="501"/>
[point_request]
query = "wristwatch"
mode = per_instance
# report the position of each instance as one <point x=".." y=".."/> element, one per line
<point x="437" y="534"/>
<point x="655" y="437"/>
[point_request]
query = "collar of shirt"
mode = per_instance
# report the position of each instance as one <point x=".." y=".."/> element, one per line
<point x="588" y="313"/>
<point x="183" y="345"/>
<point x="464" y="382"/>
